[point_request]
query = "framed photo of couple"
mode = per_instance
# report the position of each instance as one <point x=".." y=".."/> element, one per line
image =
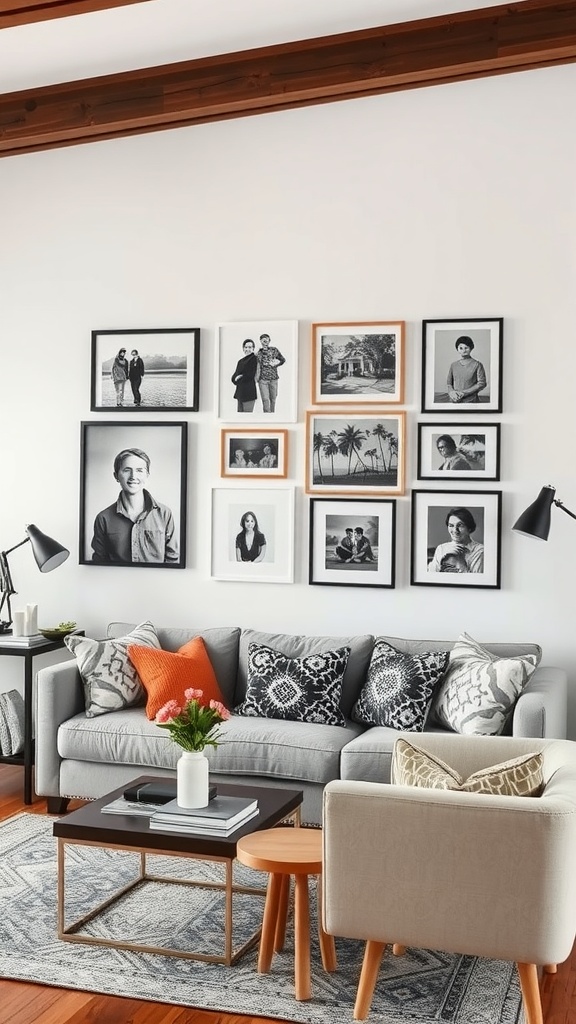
<point x="456" y="539"/>
<point x="148" y="370"/>
<point x="462" y="365"/>
<point x="257" y="377"/>
<point x="254" y="453"/>
<point x="352" y="542"/>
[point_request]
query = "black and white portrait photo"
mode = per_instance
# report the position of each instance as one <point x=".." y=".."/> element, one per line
<point x="462" y="366"/>
<point x="254" y="453"/>
<point x="356" y="452"/>
<point x="258" y="371"/>
<point x="456" y="538"/>
<point x="459" y="451"/>
<point x="252" y="534"/>
<point x="352" y="542"/>
<point x="133" y="494"/>
<point x="145" y="370"/>
<point x="357" y="363"/>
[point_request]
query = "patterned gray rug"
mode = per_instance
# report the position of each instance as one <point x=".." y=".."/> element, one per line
<point x="422" y="987"/>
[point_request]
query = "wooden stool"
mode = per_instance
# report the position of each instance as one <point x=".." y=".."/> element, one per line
<point x="284" y="852"/>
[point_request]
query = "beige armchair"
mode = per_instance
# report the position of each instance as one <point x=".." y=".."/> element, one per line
<point x="470" y="873"/>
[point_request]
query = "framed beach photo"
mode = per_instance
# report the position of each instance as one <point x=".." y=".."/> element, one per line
<point x="257" y="379"/>
<point x="145" y="370"/>
<point x="253" y="453"/>
<point x="462" y="365"/>
<point x="358" y="364"/>
<point x="352" y="542"/>
<point x="133" y="494"/>
<point x="355" y="453"/>
<point x="456" y="539"/>
<point x="458" y="451"/>
<point x="253" y="534"/>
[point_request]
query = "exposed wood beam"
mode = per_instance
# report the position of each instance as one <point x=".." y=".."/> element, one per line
<point x="23" y="12"/>
<point x="497" y="40"/>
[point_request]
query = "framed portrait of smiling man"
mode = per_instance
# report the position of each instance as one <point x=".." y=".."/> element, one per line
<point x="456" y="539"/>
<point x="462" y="365"/>
<point x="133" y="494"/>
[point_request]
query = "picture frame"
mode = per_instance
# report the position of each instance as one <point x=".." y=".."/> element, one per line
<point x="357" y="452"/>
<point x="464" y="554"/>
<point x="358" y="364"/>
<point x="253" y="453"/>
<point x="451" y="371"/>
<point x="352" y="542"/>
<point x="112" y="488"/>
<point x="163" y="377"/>
<point x="458" y="451"/>
<point x="260" y="389"/>
<point x="273" y="511"/>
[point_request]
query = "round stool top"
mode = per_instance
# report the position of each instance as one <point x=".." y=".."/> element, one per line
<point x="284" y="851"/>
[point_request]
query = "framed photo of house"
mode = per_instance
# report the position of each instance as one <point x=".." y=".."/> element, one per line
<point x="254" y="453"/>
<point x="133" y="494"/>
<point x="253" y="534"/>
<point x="462" y="365"/>
<point x="357" y="452"/>
<point x="352" y="542"/>
<point x="456" y="539"/>
<point x="257" y="379"/>
<point x="358" y="364"/>
<point x="145" y="370"/>
<point x="458" y="451"/>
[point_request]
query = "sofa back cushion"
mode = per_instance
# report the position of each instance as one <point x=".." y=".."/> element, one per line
<point x="498" y="650"/>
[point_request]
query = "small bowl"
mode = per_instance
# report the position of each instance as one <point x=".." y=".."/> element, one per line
<point x="56" y="632"/>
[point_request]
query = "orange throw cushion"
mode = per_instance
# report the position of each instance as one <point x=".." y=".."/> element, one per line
<point x="165" y="674"/>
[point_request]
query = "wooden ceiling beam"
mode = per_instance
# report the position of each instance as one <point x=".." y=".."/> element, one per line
<point x="515" y="37"/>
<point x="24" y="12"/>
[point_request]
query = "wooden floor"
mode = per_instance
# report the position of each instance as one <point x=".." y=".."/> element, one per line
<point x="25" y="1003"/>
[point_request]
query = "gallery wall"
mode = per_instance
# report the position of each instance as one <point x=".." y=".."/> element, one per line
<point x="454" y="201"/>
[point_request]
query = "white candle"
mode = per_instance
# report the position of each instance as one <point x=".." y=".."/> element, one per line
<point x="31" y="626"/>
<point x="19" y="624"/>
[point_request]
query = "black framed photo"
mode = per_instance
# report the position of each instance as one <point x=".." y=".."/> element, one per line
<point x="133" y="494"/>
<point x="145" y="370"/>
<point x="357" y="452"/>
<point x="352" y="542"/>
<point x="458" y="451"/>
<point x="253" y="453"/>
<point x="462" y="365"/>
<point x="456" y="539"/>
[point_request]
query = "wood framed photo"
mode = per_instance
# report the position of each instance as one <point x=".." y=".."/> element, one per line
<point x="352" y="542"/>
<point x="456" y="539"/>
<point x="458" y="451"/>
<point x="133" y="494"/>
<point x="257" y="378"/>
<point x="150" y="370"/>
<point x="462" y="365"/>
<point x="253" y="453"/>
<point x="358" y="364"/>
<point x="253" y="534"/>
<point x="358" y="452"/>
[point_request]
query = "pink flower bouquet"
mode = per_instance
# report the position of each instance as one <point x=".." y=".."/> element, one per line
<point x="193" y="725"/>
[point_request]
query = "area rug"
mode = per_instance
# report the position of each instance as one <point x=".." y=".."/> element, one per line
<point x="422" y="987"/>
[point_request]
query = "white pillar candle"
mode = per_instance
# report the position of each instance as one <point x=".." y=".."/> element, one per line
<point x="19" y="624"/>
<point x="31" y="626"/>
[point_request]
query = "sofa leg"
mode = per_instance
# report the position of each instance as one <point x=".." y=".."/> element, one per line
<point x="368" y="977"/>
<point x="530" y="993"/>
<point x="56" y="804"/>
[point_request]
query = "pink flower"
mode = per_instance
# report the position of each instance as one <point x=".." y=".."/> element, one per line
<point x="170" y="710"/>
<point x="191" y="694"/>
<point x="217" y="705"/>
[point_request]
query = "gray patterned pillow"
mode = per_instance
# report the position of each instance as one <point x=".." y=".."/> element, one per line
<point x="479" y="690"/>
<point x="294" y="689"/>
<point x="520" y="776"/>
<point x="11" y="723"/>
<point x="399" y="687"/>
<point x="110" y="680"/>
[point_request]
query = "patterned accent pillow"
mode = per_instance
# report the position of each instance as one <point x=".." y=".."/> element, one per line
<point x="520" y="776"/>
<point x="295" y="689"/>
<point x="479" y="690"/>
<point x="399" y="687"/>
<point x="11" y="723"/>
<point x="110" y="680"/>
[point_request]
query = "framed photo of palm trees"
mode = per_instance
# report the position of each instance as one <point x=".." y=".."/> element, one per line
<point x="355" y="453"/>
<point x="358" y="364"/>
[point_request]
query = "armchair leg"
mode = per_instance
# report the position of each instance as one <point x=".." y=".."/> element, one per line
<point x="530" y="993"/>
<point x="398" y="950"/>
<point x="368" y="977"/>
<point x="550" y="968"/>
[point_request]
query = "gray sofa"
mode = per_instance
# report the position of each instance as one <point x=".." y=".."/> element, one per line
<point x="85" y="757"/>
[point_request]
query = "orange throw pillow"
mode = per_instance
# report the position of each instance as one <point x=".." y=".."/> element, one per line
<point x="165" y="674"/>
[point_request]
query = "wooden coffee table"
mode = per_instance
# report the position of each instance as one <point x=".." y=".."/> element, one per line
<point x="88" y="826"/>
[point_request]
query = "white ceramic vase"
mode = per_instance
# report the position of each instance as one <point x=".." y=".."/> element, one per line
<point x="192" y="779"/>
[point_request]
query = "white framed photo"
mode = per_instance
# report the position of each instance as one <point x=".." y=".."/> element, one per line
<point x="253" y="534"/>
<point x="458" y="451"/>
<point x="462" y="365"/>
<point x="253" y="453"/>
<point x="257" y="377"/>
<point x="456" y="539"/>
<point x="358" y="364"/>
<point x="352" y="542"/>
<point x="356" y="452"/>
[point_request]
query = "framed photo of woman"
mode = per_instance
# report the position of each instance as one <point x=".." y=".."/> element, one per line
<point x="149" y="370"/>
<point x="456" y="539"/>
<point x="352" y="542"/>
<point x="462" y="365"/>
<point x="357" y="452"/>
<point x="458" y="451"/>
<point x="254" y="453"/>
<point x="253" y="534"/>
<point x="257" y="377"/>
<point x="358" y="364"/>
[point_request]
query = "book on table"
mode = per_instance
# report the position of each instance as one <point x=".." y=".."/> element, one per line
<point x="123" y="806"/>
<point x="223" y="812"/>
<point x="7" y="640"/>
<point x="181" y="825"/>
<point x="160" y="791"/>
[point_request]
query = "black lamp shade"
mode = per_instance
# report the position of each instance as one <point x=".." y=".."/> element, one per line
<point x="49" y="554"/>
<point x="535" y="520"/>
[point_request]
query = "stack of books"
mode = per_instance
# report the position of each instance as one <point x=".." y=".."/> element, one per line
<point x="8" y="640"/>
<point x="222" y="816"/>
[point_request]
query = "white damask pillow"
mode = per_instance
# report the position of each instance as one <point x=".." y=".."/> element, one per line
<point x="479" y="690"/>
<point x="111" y="681"/>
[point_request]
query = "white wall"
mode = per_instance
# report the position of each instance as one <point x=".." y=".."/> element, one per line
<point x="451" y="201"/>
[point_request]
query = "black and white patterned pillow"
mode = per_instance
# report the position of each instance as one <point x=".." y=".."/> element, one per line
<point x="399" y="687"/>
<point x="294" y="689"/>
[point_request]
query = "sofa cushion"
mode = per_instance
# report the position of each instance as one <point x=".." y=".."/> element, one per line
<point x="110" y="679"/>
<point x="295" y="689"/>
<point x="399" y="687"/>
<point x="519" y="776"/>
<point x="165" y="675"/>
<point x="305" y="646"/>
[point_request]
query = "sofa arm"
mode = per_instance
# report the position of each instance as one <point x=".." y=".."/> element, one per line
<point x="542" y="708"/>
<point x="59" y="696"/>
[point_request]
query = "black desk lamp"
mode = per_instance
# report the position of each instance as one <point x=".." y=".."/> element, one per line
<point x="535" y="520"/>
<point x="49" y="554"/>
